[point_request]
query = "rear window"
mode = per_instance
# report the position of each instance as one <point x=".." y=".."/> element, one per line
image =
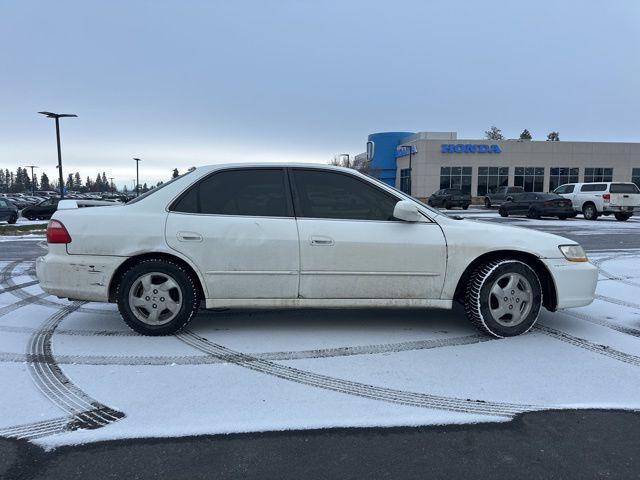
<point x="624" y="188"/>
<point x="594" y="187"/>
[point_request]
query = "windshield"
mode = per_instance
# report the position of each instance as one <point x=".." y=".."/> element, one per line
<point x="155" y="189"/>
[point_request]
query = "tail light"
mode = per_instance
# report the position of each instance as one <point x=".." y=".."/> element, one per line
<point x="57" y="232"/>
<point x="606" y="197"/>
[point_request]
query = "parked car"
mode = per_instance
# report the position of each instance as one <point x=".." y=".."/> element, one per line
<point x="536" y="205"/>
<point x="602" y="198"/>
<point x="8" y="211"/>
<point x="449" y="198"/>
<point x="501" y="195"/>
<point x="299" y="236"/>
<point x="17" y="202"/>
<point x="41" y="211"/>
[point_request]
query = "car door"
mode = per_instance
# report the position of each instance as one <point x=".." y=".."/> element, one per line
<point x="237" y="227"/>
<point x="351" y="246"/>
<point x="520" y="204"/>
<point x="5" y="211"/>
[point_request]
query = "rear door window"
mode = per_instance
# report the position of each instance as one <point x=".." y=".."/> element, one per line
<point x="259" y="192"/>
<point x="624" y="188"/>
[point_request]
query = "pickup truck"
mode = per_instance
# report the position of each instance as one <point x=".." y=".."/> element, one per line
<point x="602" y="198"/>
<point x="501" y="195"/>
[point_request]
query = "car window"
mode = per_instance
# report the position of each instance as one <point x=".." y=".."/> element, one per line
<point x="624" y="188"/>
<point x="259" y="192"/>
<point x="569" y="188"/>
<point x="326" y="194"/>
<point x="593" y="187"/>
<point x="3" y="203"/>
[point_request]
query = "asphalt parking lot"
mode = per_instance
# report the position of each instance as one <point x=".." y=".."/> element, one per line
<point x="324" y="394"/>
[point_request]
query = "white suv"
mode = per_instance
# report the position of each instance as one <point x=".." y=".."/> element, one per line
<point x="299" y="236"/>
<point x="602" y="198"/>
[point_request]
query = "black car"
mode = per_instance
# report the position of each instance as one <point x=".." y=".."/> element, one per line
<point x="449" y="197"/>
<point x="8" y="211"/>
<point x="41" y="211"/>
<point x="536" y="205"/>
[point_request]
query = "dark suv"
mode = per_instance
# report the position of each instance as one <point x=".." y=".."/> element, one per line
<point x="501" y="195"/>
<point x="8" y="211"/>
<point x="41" y="211"/>
<point x="449" y="197"/>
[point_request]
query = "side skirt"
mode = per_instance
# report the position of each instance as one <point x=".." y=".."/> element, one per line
<point x="326" y="303"/>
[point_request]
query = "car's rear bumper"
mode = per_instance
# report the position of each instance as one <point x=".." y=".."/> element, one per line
<point x="618" y="209"/>
<point x="575" y="281"/>
<point x="81" y="277"/>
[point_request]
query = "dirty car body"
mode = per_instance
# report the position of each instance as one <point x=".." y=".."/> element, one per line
<point x="298" y="236"/>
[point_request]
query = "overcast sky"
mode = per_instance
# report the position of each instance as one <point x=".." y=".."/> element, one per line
<point x="182" y="83"/>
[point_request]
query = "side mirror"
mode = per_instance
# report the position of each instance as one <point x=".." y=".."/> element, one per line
<point x="407" y="211"/>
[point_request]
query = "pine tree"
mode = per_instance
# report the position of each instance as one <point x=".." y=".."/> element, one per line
<point x="3" y="182"/>
<point x="525" y="135"/>
<point x="494" y="133"/>
<point x="145" y="188"/>
<point x="175" y="173"/>
<point x="44" y="182"/>
<point x="553" y="137"/>
<point x="77" y="181"/>
<point x="69" y="184"/>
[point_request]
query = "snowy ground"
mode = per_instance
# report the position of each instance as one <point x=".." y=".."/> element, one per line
<point x="73" y="373"/>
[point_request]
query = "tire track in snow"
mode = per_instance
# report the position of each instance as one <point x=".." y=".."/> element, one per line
<point x="401" y="397"/>
<point x="83" y="411"/>
<point x="598" y="263"/>
<point x="604" y="350"/>
<point x="282" y="356"/>
<point x="605" y="323"/>
<point x="616" y="301"/>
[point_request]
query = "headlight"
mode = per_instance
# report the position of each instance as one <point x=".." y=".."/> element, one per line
<point x="573" y="253"/>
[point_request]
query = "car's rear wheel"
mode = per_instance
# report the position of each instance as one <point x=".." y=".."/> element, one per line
<point x="13" y="219"/>
<point x="590" y="212"/>
<point x="157" y="297"/>
<point x="446" y="206"/>
<point x="487" y="203"/>
<point x="621" y="217"/>
<point x="562" y="217"/>
<point x="503" y="298"/>
<point x="465" y="207"/>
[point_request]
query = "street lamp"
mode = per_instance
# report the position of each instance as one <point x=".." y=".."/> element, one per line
<point x="33" y="183"/>
<point x="137" y="177"/>
<point x="57" y="117"/>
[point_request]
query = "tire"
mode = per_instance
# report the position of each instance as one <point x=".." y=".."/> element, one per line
<point x="487" y="203"/>
<point x="483" y="307"/>
<point x="503" y="212"/>
<point x="562" y="217"/>
<point x="446" y="206"/>
<point x="430" y="203"/>
<point x="589" y="211"/>
<point x="13" y="219"/>
<point x="181" y="300"/>
<point x="465" y="207"/>
<point x="31" y="218"/>
<point x="621" y="217"/>
<point x="533" y="213"/>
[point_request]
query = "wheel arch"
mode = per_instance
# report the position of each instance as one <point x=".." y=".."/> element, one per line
<point x="549" y="293"/>
<point x="131" y="261"/>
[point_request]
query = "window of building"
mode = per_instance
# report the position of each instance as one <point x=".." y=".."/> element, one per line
<point x="490" y="178"/>
<point x="252" y="192"/>
<point x="405" y="180"/>
<point x="529" y="178"/>
<point x="456" y="177"/>
<point x="325" y="194"/>
<point x="635" y="176"/>
<point x="598" y="174"/>
<point x="561" y="175"/>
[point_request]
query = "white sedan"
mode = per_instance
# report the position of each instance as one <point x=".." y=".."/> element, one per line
<point x="298" y="236"/>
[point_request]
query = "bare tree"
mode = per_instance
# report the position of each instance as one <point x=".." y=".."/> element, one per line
<point x="494" y="133"/>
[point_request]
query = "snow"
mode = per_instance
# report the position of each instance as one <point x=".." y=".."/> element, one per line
<point x="322" y="368"/>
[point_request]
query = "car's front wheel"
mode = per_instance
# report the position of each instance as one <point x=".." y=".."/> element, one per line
<point x="503" y="298"/>
<point x="13" y="218"/>
<point x="157" y="297"/>
<point x="503" y="212"/>
<point x="487" y="203"/>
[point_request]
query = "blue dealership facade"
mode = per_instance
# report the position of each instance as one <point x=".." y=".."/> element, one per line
<point x="421" y="163"/>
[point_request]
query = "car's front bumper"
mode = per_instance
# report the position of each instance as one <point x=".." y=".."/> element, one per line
<point x="575" y="281"/>
<point x="80" y="277"/>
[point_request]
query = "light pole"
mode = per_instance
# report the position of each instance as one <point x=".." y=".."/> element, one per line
<point x="111" y="180"/>
<point x="137" y="177"/>
<point x="33" y="183"/>
<point x="57" y="117"/>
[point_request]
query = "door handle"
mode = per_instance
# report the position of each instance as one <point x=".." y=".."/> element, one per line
<point x="321" y="241"/>
<point x="189" y="237"/>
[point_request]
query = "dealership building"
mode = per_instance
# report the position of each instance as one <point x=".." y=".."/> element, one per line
<point x="421" y="163"/>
